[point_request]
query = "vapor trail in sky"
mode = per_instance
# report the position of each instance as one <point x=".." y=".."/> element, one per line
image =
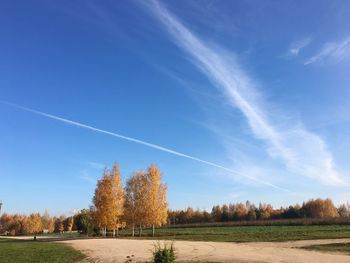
<point x="151" y="145"/>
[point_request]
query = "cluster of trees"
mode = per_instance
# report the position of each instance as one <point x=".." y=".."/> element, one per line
<point x="142" y="203"/>
<point x="18" y="224"/>
<point x="314" y="208"/>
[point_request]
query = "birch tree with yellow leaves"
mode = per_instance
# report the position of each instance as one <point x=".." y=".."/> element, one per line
<point x="145" y="200"/>
<point x="69" y="224"/>
<point x="108" y="201"/>
<point x="48" y="222"/>
<point x="59" y="224"/>
<point x="33" y="224"/>
<point x="117" y="199"/>
<point x="101" y="202"/>
<point x="156" y="206"/>
<point x="136" y="200"/>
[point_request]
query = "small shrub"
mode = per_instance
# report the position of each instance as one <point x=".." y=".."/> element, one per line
<point x="165" y="254"/>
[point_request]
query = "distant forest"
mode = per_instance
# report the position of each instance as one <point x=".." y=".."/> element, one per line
<point x="143" y="203"/>
<point x="313" y="209"/>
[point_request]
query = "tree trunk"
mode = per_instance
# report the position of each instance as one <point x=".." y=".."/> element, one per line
<point x="140" y="230"/>
<point x="113" y="232"/>
<point x="153" y="230"/>
<point x="105" y="233"/>
<point x="133" y="230"/>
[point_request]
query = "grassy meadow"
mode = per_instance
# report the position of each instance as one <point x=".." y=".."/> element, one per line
<point x="247" y="233"/>
<point x="35" y="251"/>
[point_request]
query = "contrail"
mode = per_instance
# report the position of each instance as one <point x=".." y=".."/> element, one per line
<point x="151" y="145"/>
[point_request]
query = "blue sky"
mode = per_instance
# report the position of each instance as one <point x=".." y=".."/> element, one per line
<point x="238" y="99"/>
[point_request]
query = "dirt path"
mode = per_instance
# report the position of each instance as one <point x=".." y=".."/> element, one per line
<point x="117" y="250"/>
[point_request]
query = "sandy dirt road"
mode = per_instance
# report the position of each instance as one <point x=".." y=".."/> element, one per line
<point x="117" y="250"/>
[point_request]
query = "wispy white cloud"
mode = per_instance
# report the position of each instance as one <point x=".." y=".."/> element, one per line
<point x="303" y="152"/>
<point x="332" y="51"/>
<point x="297" y="46"/>
<point x="150" y="145"/>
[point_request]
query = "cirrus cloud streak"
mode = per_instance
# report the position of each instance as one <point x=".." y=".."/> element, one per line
<point x="332" y="51"/>
<point x="303" y="152"/>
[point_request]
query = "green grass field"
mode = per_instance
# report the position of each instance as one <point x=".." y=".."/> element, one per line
<point x="336" y="247"/>
<point x="36" y="251"/>
<point x="249" y="233"/>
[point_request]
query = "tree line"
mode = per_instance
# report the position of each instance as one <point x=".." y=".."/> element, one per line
<point x="141" y="203"/>
<point x="34" y="223"/>
<point x="314" y="208"/>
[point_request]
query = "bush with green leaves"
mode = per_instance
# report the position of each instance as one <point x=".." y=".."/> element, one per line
<point x="164" y="254"/>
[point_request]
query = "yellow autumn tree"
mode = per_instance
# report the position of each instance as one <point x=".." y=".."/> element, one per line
<point x="117" y="199"/>
<point x="108" y="201"/>
<point x="59" y="223"/>
<point x="319" y="208"/>
<point x="69" y="223"/>
<point x="136" y="200"/>
<point x="48" y="222"/>
<point x="156" y="207"/>
<point x="33" y="224"/>
<point x="51" y="225"/>
<point x="101" y="202"/>
<point x="18" y="223"/>
<point x="241" y="212"/>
